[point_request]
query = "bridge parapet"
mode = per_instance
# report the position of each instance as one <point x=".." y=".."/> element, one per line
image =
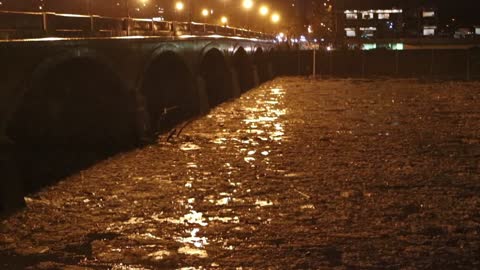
<point x="21" y="25"/>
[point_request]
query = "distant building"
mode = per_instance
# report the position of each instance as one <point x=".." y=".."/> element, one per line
<point x="421" y="22"/>
<point x="370" y="25"/>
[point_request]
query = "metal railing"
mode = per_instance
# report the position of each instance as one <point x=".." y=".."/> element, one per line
<point x="22" y="25"/>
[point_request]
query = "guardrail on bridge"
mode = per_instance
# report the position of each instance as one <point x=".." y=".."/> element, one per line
<point x="23" y="25"/>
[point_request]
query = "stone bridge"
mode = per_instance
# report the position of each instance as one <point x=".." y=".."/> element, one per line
<point x="67" y="101"/>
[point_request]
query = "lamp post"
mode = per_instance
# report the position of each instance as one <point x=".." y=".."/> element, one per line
<point x="191" y="9"/>
<point x="89" y="11"/>
<point x="89" y="7"/>
<point x="205" y="14"/>
<point x="224" y="21"/>
<point x="247" y="5"/>
<point x="275" y="18"/>
<point x="264" y="12"/>
<point x="179" y="6"/>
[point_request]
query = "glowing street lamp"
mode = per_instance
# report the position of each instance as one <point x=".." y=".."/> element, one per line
<point x="275" y="18"/>
<point x="205" y="14"/>
<point x="263" y="10"/>
<point x="179" y="6"/>
<point x="247" y="5"/>
<point x="224" y="20"/>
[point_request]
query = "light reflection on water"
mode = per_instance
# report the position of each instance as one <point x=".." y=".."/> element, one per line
<point x="192" y="217"/>
<point x="159" y="255"/>
<point x="262" y="203"/>
<point x="260" y="123"/>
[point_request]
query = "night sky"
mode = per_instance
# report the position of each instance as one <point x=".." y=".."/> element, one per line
<point x="464" y="11"/>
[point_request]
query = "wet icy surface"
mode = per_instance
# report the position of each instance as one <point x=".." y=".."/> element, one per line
<point x="295" y="174"/>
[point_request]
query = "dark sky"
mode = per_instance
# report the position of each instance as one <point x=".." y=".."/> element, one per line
<point x="464" y="11"/>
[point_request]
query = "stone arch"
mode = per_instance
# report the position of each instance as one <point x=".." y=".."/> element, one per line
<point x="216" y="74"/>
<point x="168" y="88"/>
<point x="74" y="111"/>
<point x="244" y="68"/>
<point x="261" y="62"/>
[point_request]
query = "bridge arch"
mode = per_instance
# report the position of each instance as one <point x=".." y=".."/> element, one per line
<point x="74" y="111"/>
<point x="260" y="61"/>
<point x="243" y="66"/>
<point x="216" y="74"/>
<point x="169" y="90"/>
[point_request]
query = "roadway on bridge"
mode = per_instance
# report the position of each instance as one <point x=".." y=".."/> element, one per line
<point x="294" y="174"/>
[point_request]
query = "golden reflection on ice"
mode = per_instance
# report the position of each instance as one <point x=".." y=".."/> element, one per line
<point x="193" y="239"/>
<point x="193" y="251"/>
<point x="192" y="217"/>
<point x="189" y="146"/>
<point x="225" y="219"/>
<point x="159" y="255"/>
<point x="120" y="266"/>
<point x="249" y="159"/>
<point x="263" y="203"/>
<point x="261" y="122"/>
<point x="264" y="121"/>
<point x="192" y="165"/>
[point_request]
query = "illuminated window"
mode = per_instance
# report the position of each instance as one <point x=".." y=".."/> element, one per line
<point x="427" y="14"/>
<point x="352" y="16"/>
<point x="383" y="16"/>
<point x="477" y="30"/>
<point x="368" y="32"/>
<point x="350" y="32"/>
<point x="368" y="46"/>
<point x="397" y="46"/>
<point x="429" y="30"/>
<point x="367" y="15"/>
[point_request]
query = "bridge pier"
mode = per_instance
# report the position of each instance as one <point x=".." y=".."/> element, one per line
<point x="236" y="89"/>
<point x="269" y="71"/>
<point x="255" y="76"/>
<point x="204" y="105"/>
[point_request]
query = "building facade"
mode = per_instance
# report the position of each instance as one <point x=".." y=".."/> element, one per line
<point x="384" y="24"/>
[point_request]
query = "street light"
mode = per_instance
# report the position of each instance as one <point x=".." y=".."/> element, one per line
<point x="89" y="7"/>
<point x="179" y="6"/>
<point x="263" y="10"/>
<point x="224" y="20"/>
<point x="247" y="5"/>
<point x="205" y="14"/>
<point x="275" y="18"/>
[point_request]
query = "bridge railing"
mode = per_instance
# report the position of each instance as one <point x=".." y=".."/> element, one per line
<point x="21" y="25"/>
